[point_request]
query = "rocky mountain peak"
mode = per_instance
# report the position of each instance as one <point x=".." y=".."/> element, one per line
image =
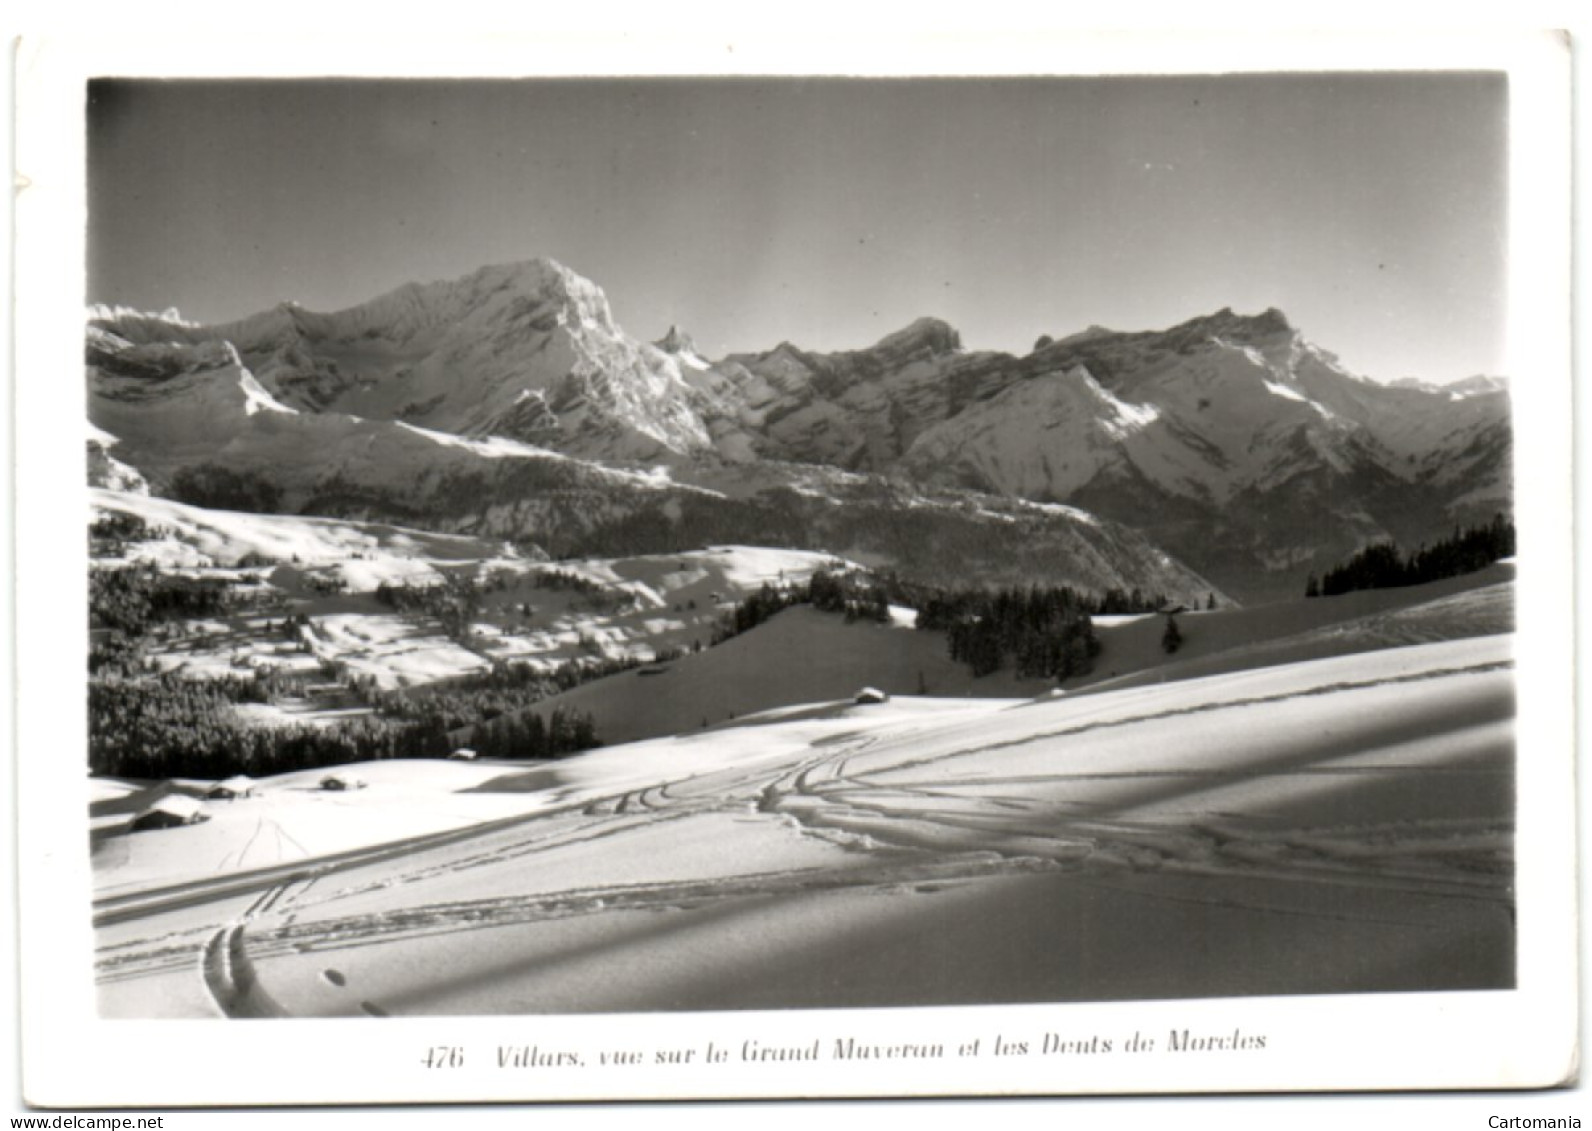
<point x="929" y="336"/>
<point x="544" y="281"/>
<point x="1248" y="329"/>
<point x="676" y="341"/>
<point x="540" y="275"/>
<point x="1478" y="385"/>
<point x="1149" y="426"/>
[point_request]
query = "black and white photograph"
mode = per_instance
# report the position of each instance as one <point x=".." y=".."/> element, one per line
<point x="902" y="583"/>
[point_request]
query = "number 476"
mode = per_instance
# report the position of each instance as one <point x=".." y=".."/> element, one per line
<point x="443" y="1056"/>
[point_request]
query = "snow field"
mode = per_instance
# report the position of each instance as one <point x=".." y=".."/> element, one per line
<point x="648" y="603"/>
<point x="1217" y="835"/>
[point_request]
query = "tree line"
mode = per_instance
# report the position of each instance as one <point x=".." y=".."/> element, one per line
<point x="163" y="725"/>
<point x="508" y="688"/>
<point x="857" y="598"/>
<point x="129" y="602"/>
<point x="457" y="599"/>
<point x="1382" y="566"/>
<point x="167" y="726"/>
<point x="1042" y="631"/>
<point x="109" y="533"/>
<point x="216" y="487"/>
<point x="132" y="598"/>
<point x="154" y="726"/>
<point x="528" y="735"/>
<point x="829" y="591"/>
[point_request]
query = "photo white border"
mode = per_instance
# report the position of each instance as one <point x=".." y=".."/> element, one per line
<point x="1521" y="1038"/>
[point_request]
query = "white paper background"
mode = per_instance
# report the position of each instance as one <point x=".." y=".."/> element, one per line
<point x="1431" y="1040"/>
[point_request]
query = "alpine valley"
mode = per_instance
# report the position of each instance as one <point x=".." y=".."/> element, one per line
<point x="458" y="653"/>
<point x="1224" y="456"/>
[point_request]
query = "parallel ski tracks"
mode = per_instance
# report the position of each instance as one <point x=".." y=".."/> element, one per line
<point x="907" y="833"/>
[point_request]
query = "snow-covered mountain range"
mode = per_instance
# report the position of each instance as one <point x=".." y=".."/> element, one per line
<point x="1240" y="446"/>
<point x="511" y="401"/>
<point x="526" y="351"/>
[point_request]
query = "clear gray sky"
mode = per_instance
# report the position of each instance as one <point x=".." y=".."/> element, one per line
<point x="1371" y="209"/>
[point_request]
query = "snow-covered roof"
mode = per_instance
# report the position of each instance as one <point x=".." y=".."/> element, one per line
<point x="178" y="805"/>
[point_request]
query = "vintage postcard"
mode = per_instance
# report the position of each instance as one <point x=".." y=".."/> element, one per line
<point x="561" y="574"/>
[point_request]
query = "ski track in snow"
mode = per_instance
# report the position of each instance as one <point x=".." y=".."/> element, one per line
<point x="900" y="822"/>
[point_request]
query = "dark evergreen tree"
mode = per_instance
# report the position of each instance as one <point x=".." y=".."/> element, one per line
<point x="1381" y="566"/>
<point x="1045" y="632"/>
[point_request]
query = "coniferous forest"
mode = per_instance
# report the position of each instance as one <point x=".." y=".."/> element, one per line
<point x="1043" y="632"/>
<point x="1381" y="566"/>
<point x="150" y="725"/>
<point x="168" y="726"/>
<point x="144" y="724"/>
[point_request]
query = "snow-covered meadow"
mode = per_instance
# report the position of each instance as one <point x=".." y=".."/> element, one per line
<point x="328" y="571"/>
<point x="1338" y="824"/>
<point x="1310" y="797"/>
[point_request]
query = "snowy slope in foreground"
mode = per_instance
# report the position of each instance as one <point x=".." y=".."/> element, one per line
<point x="1328" y="826"/>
